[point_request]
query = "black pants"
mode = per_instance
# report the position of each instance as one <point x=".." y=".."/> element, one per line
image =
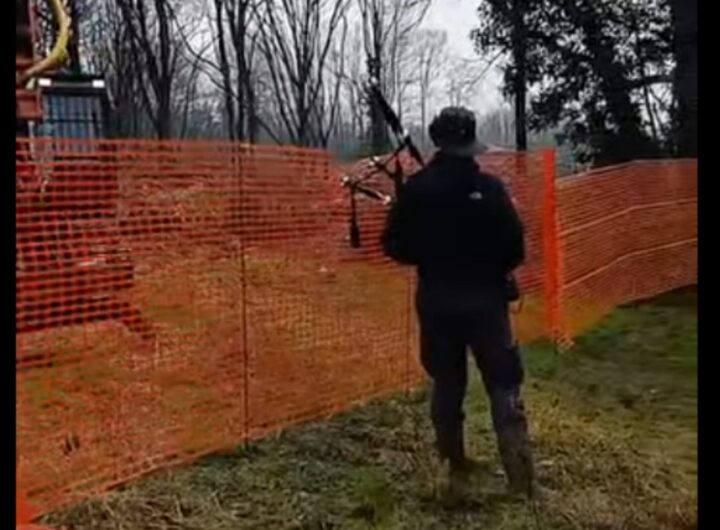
<point x="451" y="321"/>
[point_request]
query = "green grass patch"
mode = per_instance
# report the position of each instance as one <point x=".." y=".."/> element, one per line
<point x="614" y="423"/>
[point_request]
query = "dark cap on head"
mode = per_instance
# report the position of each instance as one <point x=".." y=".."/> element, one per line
<point x="454" y="131"/>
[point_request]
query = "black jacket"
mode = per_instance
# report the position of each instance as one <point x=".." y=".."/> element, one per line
<point x="455" y="223"/>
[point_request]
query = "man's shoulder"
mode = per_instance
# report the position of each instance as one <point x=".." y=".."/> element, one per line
<point x="491" y="181"/>
<point x="437" y="177"/>
<point x="422" y="179"/>
<point x="429" y="177"/>
<point x="488" y="175"/>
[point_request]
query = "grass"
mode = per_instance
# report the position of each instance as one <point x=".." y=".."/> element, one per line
<point x="614" y="424"/>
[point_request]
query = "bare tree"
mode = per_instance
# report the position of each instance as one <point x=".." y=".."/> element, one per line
<point x="185" y="95"/>
<point x="353" y="96"/>
<point x="295" y="41"/>
<point x="498" y="126"/>
<point x="237" y="35"/>
<point x="463" y="78"/>
<point x="157" y="55"/>
<point x="330" y="102"/>
<point x="106" y="51"/>
<point x="430" y="54"/>
<point x="387" y="26"/>
<point x="232" y="68"/>
<point x="345" y="69"/>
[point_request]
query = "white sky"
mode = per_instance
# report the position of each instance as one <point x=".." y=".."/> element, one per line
<point x="458" y="18"/>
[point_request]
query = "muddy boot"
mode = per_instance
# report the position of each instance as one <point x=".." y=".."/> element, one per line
<point x="510" y="425"/>
<point x="463" y="466"/>
<point x="516" y="456"/>
<point x="452" y="454"/>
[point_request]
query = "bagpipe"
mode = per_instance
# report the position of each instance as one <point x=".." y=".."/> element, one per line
<point x="391" y="166"/>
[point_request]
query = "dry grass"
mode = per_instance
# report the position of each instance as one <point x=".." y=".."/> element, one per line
<point x="615" y="429"/>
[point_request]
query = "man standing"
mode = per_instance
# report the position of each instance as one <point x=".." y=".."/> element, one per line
<point x="459" y="227"/>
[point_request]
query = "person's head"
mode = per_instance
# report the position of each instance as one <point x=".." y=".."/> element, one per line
<point x="454" y="131"/>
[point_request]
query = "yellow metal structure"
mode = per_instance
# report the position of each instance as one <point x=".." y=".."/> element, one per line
<point x="59" y="53"/>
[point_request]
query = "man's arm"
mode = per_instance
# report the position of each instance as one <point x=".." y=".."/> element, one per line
<point x="512" y="232"/>
<point x="400" y="237"/>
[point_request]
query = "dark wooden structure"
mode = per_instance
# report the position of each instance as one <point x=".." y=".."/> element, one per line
<point x="71" y="267"/>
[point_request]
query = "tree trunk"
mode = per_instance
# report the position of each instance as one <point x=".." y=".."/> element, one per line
<point x="239" y="35"/>
<point x="252" y="118"/>
<point x="225" y="70"/>
<point x="520" y="78"/>
<point x="685" y="84"/>
<point x="164" y="113"/>
<point x="74" y="44"/>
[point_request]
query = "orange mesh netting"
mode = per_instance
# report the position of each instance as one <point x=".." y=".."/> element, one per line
<point x="176" y="298"/>
<point x="626" y="233"/>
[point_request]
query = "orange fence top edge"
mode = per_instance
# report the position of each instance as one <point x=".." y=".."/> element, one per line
<point x="146" y="142"/>
<point x="570" y="179"/>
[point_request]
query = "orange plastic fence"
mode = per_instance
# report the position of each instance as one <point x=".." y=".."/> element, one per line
<point x="176" y="298"/>
<point x="626" y="233"/>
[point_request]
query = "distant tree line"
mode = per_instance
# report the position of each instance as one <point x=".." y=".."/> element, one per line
<point x="282" y="71"/>
<point x="613" y="80"/>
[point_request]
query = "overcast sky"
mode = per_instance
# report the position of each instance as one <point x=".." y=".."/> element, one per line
<point x="458" y="18"/>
